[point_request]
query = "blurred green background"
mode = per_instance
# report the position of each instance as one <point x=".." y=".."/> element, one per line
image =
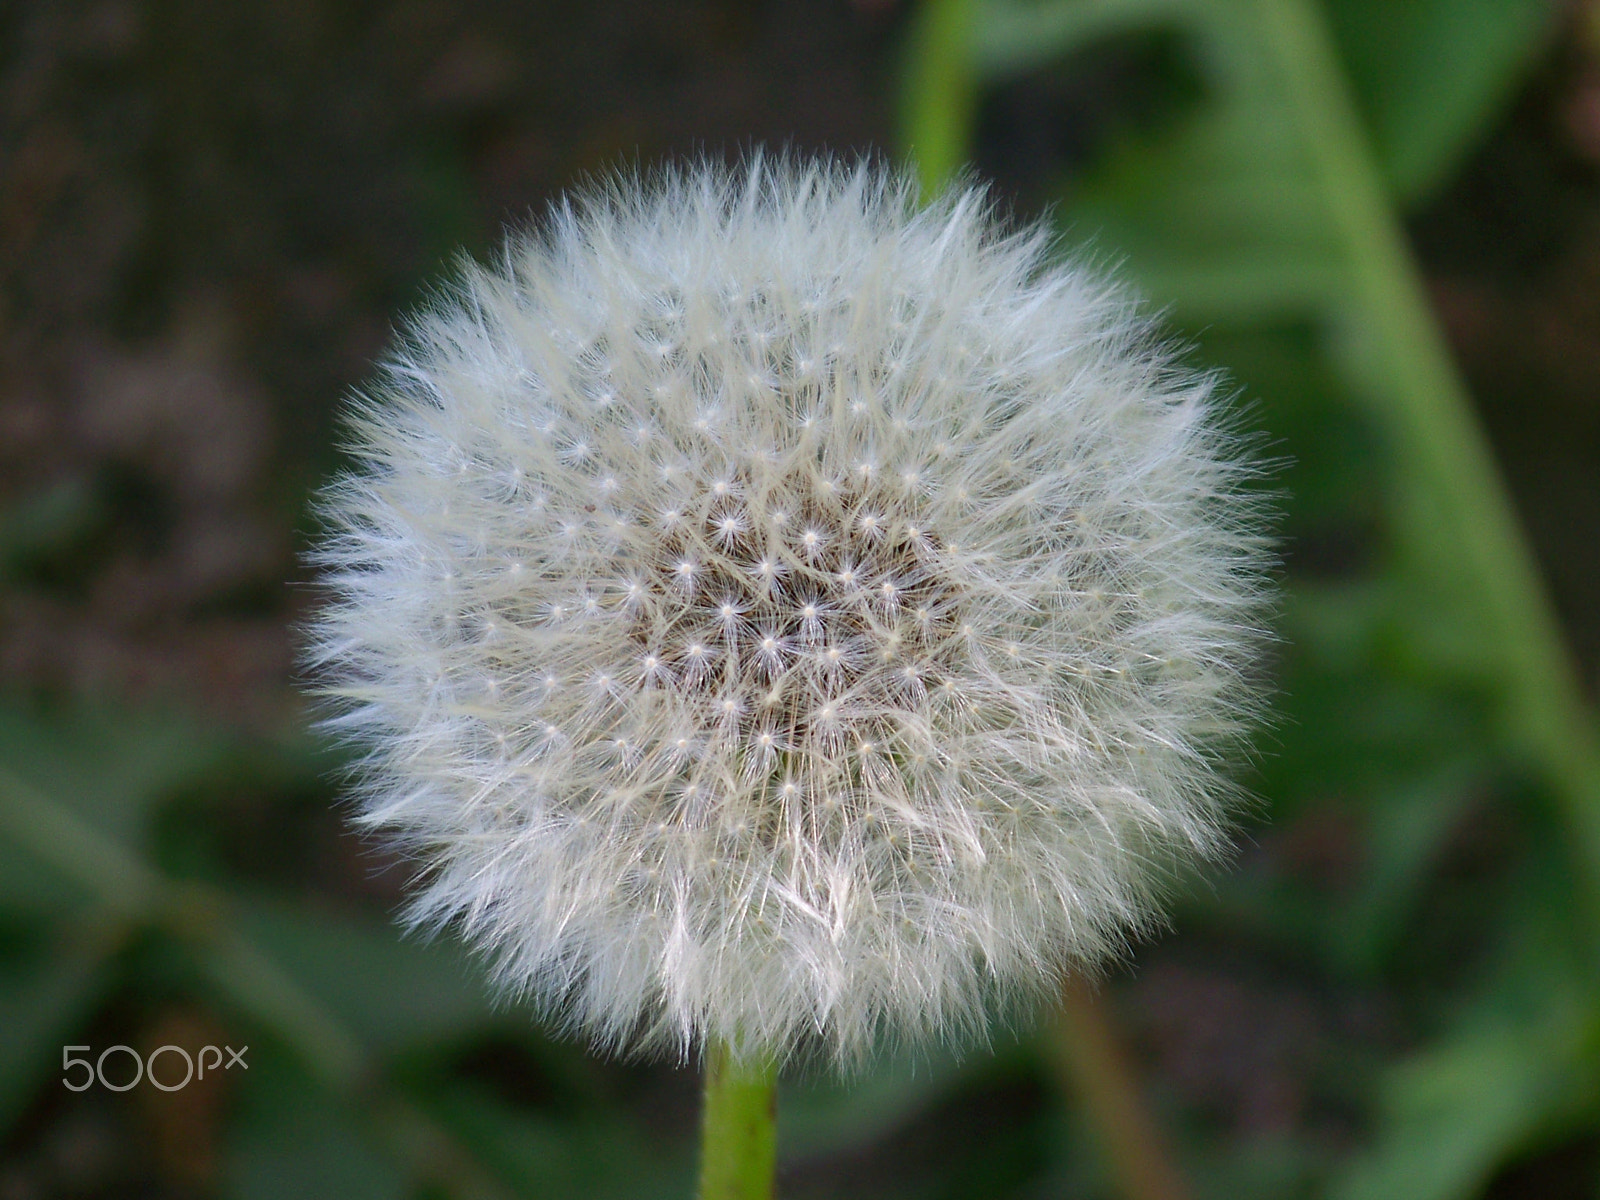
<point x="1381" y="218"/>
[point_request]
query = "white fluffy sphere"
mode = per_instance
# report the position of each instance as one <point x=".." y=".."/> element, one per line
<point x="780" y="615"/>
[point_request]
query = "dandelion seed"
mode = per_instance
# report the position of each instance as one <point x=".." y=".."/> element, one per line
<point x="1009" y="604"/>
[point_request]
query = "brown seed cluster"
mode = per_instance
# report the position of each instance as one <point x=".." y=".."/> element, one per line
<point x="814" y="583"/>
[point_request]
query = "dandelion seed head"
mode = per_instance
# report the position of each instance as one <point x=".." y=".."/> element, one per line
<point x="866" y="657"/>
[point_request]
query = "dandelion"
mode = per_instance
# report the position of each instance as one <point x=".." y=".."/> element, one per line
<point x="872" y="600"/>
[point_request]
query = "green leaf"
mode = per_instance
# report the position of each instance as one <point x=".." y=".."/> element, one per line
<point x="290" y="1140"/>
<point x="1015" y="36"/>
<point x="1429" y="75"/>
<point x="1455" y="1113"/>
<point x="47" y="519"/>
<point x="1520" y="1070"/>
<point x="388" y="989"/>
<point x="823" y="1117"/>
<point x="1407" y="831"/>
<point x="556" y="1159"/>
<point x="41" y="1004"/>
<point x="28" y="884"/>
<point x="1222" y="215"/>
<point x="1266" y="203"/>
<point x="108" y="766"/>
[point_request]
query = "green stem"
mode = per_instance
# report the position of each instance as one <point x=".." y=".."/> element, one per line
<point x="1084" y="1044"/>
<point x="738" y="1129"/>
<point x="1456" y="502"/>
<point x="939" y="92"/>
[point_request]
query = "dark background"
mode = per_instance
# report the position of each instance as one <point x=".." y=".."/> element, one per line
<point x="210" y="214"/>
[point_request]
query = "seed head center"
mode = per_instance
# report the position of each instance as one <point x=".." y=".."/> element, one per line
<point x="821" y="606"/>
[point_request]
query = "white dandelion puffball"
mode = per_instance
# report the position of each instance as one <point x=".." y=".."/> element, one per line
<point x="778" y="614"/>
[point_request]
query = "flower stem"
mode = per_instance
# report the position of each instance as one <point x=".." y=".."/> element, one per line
<point x="939" y="98"/>
<point x="1085" y="1046"/>
<point x="1455" y="504"/>
<point x="738" y="1128"/>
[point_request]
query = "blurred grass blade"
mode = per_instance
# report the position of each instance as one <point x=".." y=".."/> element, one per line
<point x="1453" y="513"/>
<point x="1455" y="1113"/>
<point x="250" y="981"/>
<point x="818" y="1118"/>
<point x="79" y="852"/>
<point x="393" y="992"/>
<point x="292" y="1141"/>
<point x="1268" y="200"/>
<point x="108" y="766"/>
<point x="939" y="104"/>
<point x="41" y="1004"/>
<point x="1269" y="204"/>
<point x="1014" y="37"/>
<point x="559" y="1158"/>
<point x="1429" y="74"/>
